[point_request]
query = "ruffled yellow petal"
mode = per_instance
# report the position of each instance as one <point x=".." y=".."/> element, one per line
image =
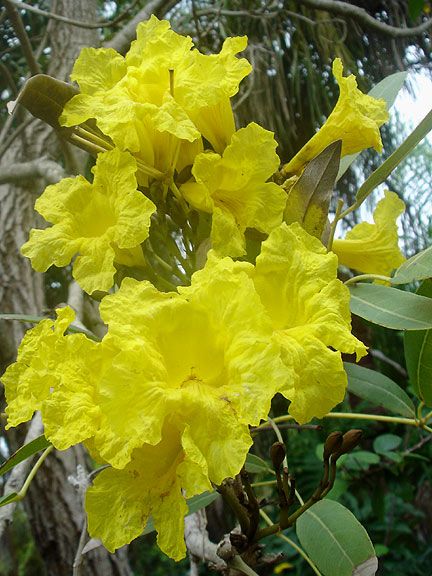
<point x="309" y="308"/>
<point x="93" y="220"/>
<point x="157" y="43"/>
<point x="355" y="120"/>
<point x="373" y="248"/>
<point x="320" y="379"/>
<point x="235" y="183"/>
<point x="70" y="412"/>
<point x="98" y="69"/>
<point x="134" y="384"/>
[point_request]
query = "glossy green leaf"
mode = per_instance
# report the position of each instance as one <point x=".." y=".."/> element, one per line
<point x="8" y="499"/>
<point x="379" y="390"/>
<point x="336" y="541"/>
<point x="386" y="443"/>
<point x="36" y="445"/>
<point x="418" y="355"/>
<point x="388" y="89"/>
<point x="194" y="504"/>
<point x="255" y="464"/>
<point x="380" y="174"/>
<point x="309" y="199"/>
<point x="390" y="307"/>
<point x="419" y="267"/>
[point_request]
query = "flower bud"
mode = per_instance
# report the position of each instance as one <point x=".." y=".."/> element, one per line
<point x="350" y="440"/>
<point x="277" y="454"/>
<point x="332" y="444"/>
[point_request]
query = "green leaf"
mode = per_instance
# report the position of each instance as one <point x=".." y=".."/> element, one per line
<point x="390" y="307"/>
<point x="379" y="390"/>
<point x="336" y="541"/>
<point x="387" y="167"/>
<point x="36" y="445"/>
<point x="418" y="355"/>
<point x="8" y="499"/>
<point x="418" y="267"/>
<point x="255" y="464"/>
<point x="309" y="199"/>
<point x="194" y="504"/>
<point x="388" y="89"/>
<point x="360" y="460"/>
<point x="386" y="443"/>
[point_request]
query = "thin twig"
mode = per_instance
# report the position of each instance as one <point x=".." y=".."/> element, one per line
<point x="20" y="31"/>
<point x="71" y="21"/>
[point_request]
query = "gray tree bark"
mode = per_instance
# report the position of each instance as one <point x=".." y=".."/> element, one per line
<point x="53" y="505"/>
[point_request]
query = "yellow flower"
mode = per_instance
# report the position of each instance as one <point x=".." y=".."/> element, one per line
<point x="104" y="223"/>
<point x="150" y="485"/>
<point x="28" y="381"/>
<point x="234" y="188"/>
<point x="204" y="354"/>
<point x="355" y="120"/>
<point x="373" y="248"/>
<point x="55" y="374"/>
<point x="161" y="96"/>
<point x="309" y="308"/>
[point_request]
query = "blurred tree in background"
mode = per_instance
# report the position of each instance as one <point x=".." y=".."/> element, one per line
<point x="291" y="90"/>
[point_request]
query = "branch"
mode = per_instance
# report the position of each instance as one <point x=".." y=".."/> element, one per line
<point x="18" y="474"/>
<point x="198" y="542"/>
<point x="20" y="31"/>
<point x="40" y="168"/>
<point x="359" y="14"/>
<point x="123" y="38"/>
<point x="71" y="21"/>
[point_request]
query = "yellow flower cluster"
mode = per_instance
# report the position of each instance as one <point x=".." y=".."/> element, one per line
<point x="168" y="396"/>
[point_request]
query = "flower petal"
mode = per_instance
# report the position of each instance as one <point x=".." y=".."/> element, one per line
<point x="373" y="248"/>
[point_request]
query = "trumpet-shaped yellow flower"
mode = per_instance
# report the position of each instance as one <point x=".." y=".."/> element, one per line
<point x="234" y="188"/>
<point x="204" y="354"/>
<point x="373" y="248"/>
<point x="355" y="120"/>
<point x="309" y="308"/>
<point x="161" y="96"/>
<point x="150" y="485"/>
<point x="104" y="223"/>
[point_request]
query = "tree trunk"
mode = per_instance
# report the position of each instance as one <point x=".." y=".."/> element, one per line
<point x="53" y="505"/>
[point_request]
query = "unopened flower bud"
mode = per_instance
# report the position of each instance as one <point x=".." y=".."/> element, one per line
<point x="277" y="454"/>
<point x="350" y="440"/>
<point x="332" y="444"/>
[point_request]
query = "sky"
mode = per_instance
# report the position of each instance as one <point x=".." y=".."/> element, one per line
<point x="415" y="107"/>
